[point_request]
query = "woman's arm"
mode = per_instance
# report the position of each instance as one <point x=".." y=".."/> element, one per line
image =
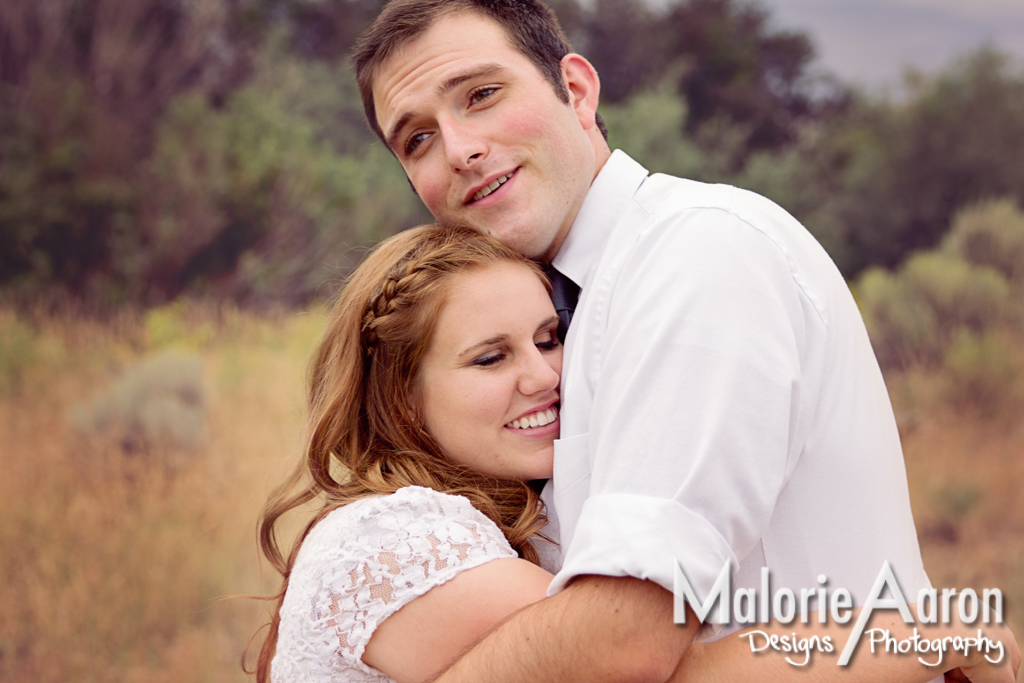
<point x="426" y="636"/>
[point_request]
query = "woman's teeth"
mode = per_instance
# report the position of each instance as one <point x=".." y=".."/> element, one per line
<point x="492" y="187"/>
<point x="538" y="419"/>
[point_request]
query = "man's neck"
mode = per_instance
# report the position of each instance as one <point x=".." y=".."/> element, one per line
<point x="601" y="155"/>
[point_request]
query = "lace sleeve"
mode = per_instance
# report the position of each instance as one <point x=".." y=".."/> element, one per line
<point x="361" y="564"/>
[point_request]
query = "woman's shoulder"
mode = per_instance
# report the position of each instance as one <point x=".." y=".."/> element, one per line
<point x="404" y="514"/>
<point x="406" y="500"/>
<point x="364" y="561"/>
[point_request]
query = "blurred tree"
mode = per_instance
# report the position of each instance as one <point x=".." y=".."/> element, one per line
<point x="82" y="85"/>
<point x="740" y="69"/>
<point x="883" y="179"/>
<point x="154" y="147"/>
<point x="734" y="71"/>
<point x="327" y="29"/>
<point x="960" y="140"/>
<point x="256" y="200"/>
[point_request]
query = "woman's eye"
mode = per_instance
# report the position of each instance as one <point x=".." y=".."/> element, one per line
<point x="489" y="360"/>
<point x="550" y="343"/>
<point x="481" y="94"/>
<point x="414" y="141"/>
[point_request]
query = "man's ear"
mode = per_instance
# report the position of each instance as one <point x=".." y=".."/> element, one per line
<point x="584" y="88"/>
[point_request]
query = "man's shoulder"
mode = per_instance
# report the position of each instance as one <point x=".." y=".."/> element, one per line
<point x="665" y="195"/>
<point x="677" y="206"/>
<point x="718" y="226"/>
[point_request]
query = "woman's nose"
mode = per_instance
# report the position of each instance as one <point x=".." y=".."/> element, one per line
<point x="540" y="373"/>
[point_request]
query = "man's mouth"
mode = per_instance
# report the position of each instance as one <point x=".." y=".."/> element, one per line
<point x="537" y="419"/>
<point x="492" y="186"/>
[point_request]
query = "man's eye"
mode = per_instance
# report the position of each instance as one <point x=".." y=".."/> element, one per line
<point x="481" y="94"/>
<point x="414" y="141"/>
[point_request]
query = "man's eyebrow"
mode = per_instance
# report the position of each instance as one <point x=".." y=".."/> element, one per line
<point x="486" y="342"/>
<point x="482" y="71"/>
<point x="396" y="132"/>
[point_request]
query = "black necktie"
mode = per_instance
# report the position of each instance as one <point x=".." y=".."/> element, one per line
<point x="564" y="295"/>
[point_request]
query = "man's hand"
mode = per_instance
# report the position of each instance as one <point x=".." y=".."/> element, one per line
<point x="730" y="658"/>
<point x="981" y="671"/>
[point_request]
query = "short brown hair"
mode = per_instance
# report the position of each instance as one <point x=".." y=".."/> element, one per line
<point x="531" y="26"/>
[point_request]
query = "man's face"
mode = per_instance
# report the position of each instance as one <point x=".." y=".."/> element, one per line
<point x="482" y="135"/>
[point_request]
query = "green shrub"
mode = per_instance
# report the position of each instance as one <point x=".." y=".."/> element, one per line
<point x="990" y="234"/>
<point x="913" y="315"/>
<point x="902" y="330"/>
<point x="158" y="403"/>
<point x="960" y="294"/>
<point x="980" y="370"/>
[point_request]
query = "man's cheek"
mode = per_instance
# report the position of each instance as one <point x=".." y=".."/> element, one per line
<point x="436" y="205"/>
<point x="432" y="196"/>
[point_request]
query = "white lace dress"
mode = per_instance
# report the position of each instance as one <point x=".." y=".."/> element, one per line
<point x="361" y="564"/>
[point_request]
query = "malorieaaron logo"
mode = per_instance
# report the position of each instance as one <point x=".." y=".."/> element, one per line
<point x="747" y="606"/>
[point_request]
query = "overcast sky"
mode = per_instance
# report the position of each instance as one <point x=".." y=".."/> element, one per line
<point x="870" y="41"/>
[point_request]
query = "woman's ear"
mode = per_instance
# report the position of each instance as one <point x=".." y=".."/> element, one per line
<point x="413" y="411"/>
<point x="584" y="88"/>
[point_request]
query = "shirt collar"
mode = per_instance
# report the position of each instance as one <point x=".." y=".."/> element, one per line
<point x="611" y="190"/>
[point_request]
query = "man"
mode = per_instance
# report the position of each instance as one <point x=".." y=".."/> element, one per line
<point x="721" y="405"/>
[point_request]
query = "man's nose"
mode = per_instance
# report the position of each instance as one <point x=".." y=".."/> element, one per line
<point x="463" y="146"/>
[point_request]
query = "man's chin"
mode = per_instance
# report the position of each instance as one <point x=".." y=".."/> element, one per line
<point x="522" y="236"/>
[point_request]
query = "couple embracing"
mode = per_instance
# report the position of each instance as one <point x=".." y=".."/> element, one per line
<point x="495" y="506"/>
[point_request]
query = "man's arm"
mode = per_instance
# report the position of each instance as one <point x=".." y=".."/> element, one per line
<point x="598" y="629"/>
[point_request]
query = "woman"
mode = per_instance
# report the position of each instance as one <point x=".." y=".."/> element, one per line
<point x="438" y="346"/>
<point x="433" y="400"/>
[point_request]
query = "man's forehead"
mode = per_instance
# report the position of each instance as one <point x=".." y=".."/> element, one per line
<point x="456" y="48"/>
<point x="456" y="32"/>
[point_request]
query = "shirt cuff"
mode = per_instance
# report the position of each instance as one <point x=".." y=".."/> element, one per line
<point x="624" y="534"/>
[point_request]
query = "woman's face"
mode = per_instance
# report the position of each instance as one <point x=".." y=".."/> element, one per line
<point x="488" y="385"/>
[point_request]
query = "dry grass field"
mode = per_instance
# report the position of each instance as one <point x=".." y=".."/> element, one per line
<point x="965" y="467"/>
<point x="114" y="560"/>
<point x="119" y="538"/>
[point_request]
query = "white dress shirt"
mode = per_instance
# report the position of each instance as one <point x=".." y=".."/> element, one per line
<point x="720" y="399"/>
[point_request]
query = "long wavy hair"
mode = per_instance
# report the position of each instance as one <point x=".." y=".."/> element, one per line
<point x="362" y="435"/>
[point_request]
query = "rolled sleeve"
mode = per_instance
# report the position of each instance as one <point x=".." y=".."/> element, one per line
<point x="640" y="536"/>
